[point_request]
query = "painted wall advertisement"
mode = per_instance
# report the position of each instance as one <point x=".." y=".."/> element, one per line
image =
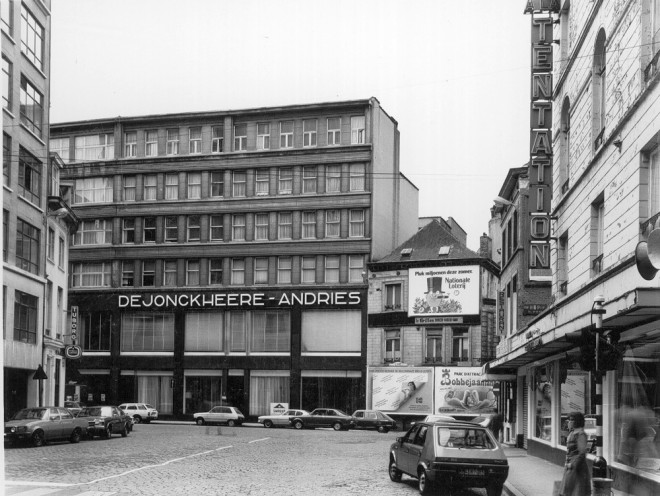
<point x="464" y="390"/>
<point x="404" y="390"/>
<point x="444" y="291"/>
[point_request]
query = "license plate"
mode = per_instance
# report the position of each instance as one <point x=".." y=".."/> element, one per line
<point x="479" y="472"/>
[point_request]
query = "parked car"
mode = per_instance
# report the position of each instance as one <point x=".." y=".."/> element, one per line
<point x="104" y="421"/>
<point x="140" y="412"/>
<point x="449" y="454"/>
<point x="220" y="415"/>
<point x="324" y="417"/>
<point x="281" y="419"/>
<point x="373" y="419"/>
<point x="73" y="406"/>
<point x="44" y="424"/>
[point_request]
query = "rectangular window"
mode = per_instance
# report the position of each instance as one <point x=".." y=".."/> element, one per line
<point x="237" y="331"/>
<point x="6" y="159"/>
<point x="5" y="235"/>
<point x="130" y="144"/>
<point x="654" y="183"/>
<point x="7" y="82"/>
<point x="393" y="346"/>
<point x="29" y="176"/>
<point x="151" y="143"/>
<point x="240" y="137"/>
<point x="263" y="136"/>
<point x="61" y="147"/>
<point x="261" y="270"/>
<point x="271" y="331"/>
<point x="357" y="130"/>
<point x="332" y="219"/>
<point x="96" y="147"/>
<point x="48" y="323"/>
<point x="356" y="220"/>
<point x="128" y="231"/>
<point x="169" y="273"/>
<point x="393" y="296"/>
<point x="285" y="181"/>
<point x="150" y="187"/>
<point x="195" y="140"/>
<point x="239" y="184"/>
<point x="96" y="329"/>
<point x="216" y="228"/>
<point x="286" y="134"/>
<point x="284" y="268"/>
<point x="149" y="230"/>
<point x="331" y="331"/>
<point x="127" y="274"/>
<point x="147" y="332"/>
<point x="217" y="138"/>
<point x="597" y="235"/>
<point x="130" y="187"/>
<point x="333" y="179"/>
<point x="172" y="144"/>
<point x="204" y="331"/>
<point x="58" y="316"/>
<point x="91" y="275"/>
<point x="27" y="246"/>
<point x="194" y="185"/>
<point x="309" y="179"/>
<point x="238" y="227"/>
<point x="262" y="182"/>
<point x="215" y="271"/>
<point x="193" y="227"/>
<point x="192" y="272"/>
<point x="308" y="270"/>
<point x="93" y="190"/>
<point x="357" y="175"/>
<point x="217" y="184"/>
<point x="460" y="344"/>
<point x="332" y="269"/>
<point x="309" y="132"/>
<point x="50" y="249"/>
<point x="355" y="268"/>
<point x="149" y="273"/>
<point x="237" y="271"/>
<point x="261" y="227"/>
<point x="61" y="254"/>
<point x="54" y="183"/>
<point x="7" y="15"/>
<point x="434" y="345"/>
<point x="309" y="225"/>
<point x="285" y="225"/>
<point x="171" y="229"/>
<point x="334" y="131"/>
<point x="32" y="38"/>
<point x="26" y="311"/>
<point x="171" y="186"/>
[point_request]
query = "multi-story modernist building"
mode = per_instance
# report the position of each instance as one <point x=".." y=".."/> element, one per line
<point x="221" y="256"/>
<point x="605" y="201"/>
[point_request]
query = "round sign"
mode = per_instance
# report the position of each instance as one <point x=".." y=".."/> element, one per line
<point x="73" y="352"/>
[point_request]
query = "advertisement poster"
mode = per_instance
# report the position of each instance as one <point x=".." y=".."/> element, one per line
<point x="463" y="390"/>
<point x="405" y="390"/>
<point x="573" y="397"/>
<point x="444" y="291"/>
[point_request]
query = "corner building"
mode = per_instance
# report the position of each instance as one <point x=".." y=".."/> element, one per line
<point x="221" y="256"/>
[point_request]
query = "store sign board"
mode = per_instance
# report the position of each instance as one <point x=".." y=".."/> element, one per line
<point x="439" y="291"/>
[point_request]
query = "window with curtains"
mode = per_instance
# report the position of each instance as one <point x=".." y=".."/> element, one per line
<point x="286" y="134"/>
<point x="59" y="309"/>
<point x="130" y="185"/>
<point x="262" y="182"/>
<point x="95" y="330"/>
<point x="284" y="225"/>
<point x="150" y="187"/>
<point x="7" y="86"/>
<point x="332" y="269"/>
<point x="127" y="274"/>
<point x="357" y="130"/>
<point x="271" y="331"/>
<point x="54" y="183"/>
<point x="308" y="269"/>
<point x="193" y="227"/>
<point x="355" y="268"/>
<point x="357" y="177"/>
<point x="284" y="267"/>
<point x="94" y="147"/>
<point x="128" y="231"/>
<point x="93" y="190"/>
<point x="6" y="159"/>
<point x="285" y="181"/>
<point x="460" y="344"/>
<point x="217" y="138"/>
<point x="204" y="331"/>
<point x="238" y="227"/>
<point x="332" y="218"/>
<point x="653" y="193"/>
<point x="151" y="143"/>
<point x="309" y="132"/>
<point x="156" y="391"/>
<point x="61" y="254"/>
<point x="28" y="238"/>
<point x="172" y="143"/>
<point x="356" y="222"/>
<point x="237" y="271"/>
<point x="240" y="137"/>
<point x="149" y="230"/>
<point x="50" y="245"/>
<point x="195" y="140"/>
<point x="237" y="331"/>
<point x="32" y="38"/>
<point x="331" y="331"/>
<point x="5" y="234"/>
<point x="149" y="273"/>
<point x="217" y="184"/>
<point x="93" y="232"/>
<point x="130" y="144"/>
<point x="309" y="225"/>
<point x="265" y="390"/>
<point x="147" y="332"/>
<point x="215" y="271"/>
<point x="171" y="229"/>
<point x="194" y="185"/>
<point x="171" y="186"/>
<point x="334" y="131"/>
<point x="25" y="317"/>
<point x="32" y="107"/>
<point x="192" y="272"/>
<point x="434" y="345"/>
<point x="261" y="227"/>
<point x="239" y="184"/>
<point x="169" y="273"/>
<point x="333" y="179"/>
<point x="309" y="179"/>
<point x="216" y="231"/>
<point x="393" y="346"/>
<point x="91" y="275"/>
<point x="263" y="136"/>
<point x="29" y="176"/>
<point x="261" y="270"/>
<point x="393" y="296"/>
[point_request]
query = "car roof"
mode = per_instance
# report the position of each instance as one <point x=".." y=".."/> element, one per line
<point x="454" y="424"/>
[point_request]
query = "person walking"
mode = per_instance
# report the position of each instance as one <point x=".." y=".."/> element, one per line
<point x="577" y="479"/>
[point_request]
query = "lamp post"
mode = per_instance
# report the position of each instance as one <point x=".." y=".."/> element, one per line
<point x="599" y="469"/>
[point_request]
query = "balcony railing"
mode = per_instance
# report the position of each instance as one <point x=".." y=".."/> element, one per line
<point x="392" y="360"/>
<point x="393" y="307"/>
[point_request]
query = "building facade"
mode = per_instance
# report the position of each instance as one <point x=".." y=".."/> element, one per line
<point x="605" y="203"/>
<point x="221" y="255"/>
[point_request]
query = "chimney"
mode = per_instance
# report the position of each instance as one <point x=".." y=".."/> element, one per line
<point x="485" y="246"/>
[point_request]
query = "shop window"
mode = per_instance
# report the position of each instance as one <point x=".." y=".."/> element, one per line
<point x="271" y="331"/>
<point x="267" y="389"/>
<point x="203" y="393"/>
<point x="204" y="331"/>
<point x="95" y="331"/>
<point x="575" y="388"/>
<point x="330" y="331"/>
<point x="147" y="332"/>
<point x="542" y="395"/>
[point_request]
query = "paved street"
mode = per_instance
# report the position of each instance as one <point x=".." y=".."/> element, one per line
<point x="183" y="459"/>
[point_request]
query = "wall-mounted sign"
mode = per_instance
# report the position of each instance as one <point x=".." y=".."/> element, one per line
<point x="278" y="408"/>
<point x="74" y="324"/>
<point x="73" y="352"/>
<point x="438" y="320"/>
<point x="533" y="308"/>
<point x="464" y="390"/>
<point x="403" y="390"/>
<point x="444" y="291"/>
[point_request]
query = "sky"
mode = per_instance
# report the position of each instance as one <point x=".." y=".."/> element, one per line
<point x="453" y="74"/>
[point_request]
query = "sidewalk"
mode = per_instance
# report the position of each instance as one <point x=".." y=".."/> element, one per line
<point x="532" y="476"/>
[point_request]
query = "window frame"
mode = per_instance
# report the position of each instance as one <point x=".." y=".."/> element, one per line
<point x="262" y="182"/>
<point x="172" y="141"/>
<point x="149" y="230"/>
<point x="130" y="144"/>
<point x="240" y="140"/>
<point x="214" y="227"/>
<point x="286" y="135"/>
<point x="284" y="183"/>
<point x="217" y="138"/>
<point x="194" y="185"/>
<point x="332" y="224"/>
<point x="332" y="267"/>
<point x="260" y="270"/>
<point x="261" y="226"/>
<point x="334" y="133"/>
<point x="169" y="229"/>
<point x="150" y="187"/>
<point x="309" y="135"/>
<point x="263" y="136"/>
<point x="193" y="272"/>
<point x="308" y="223"/>
<point x="32" y="47"/>
<point x="28" y="246"/>
<point x="284" y="269"/>
<point x="29" y="176"/>
<point x="151" y="143"/>
<point x="358" y="130"/>
<point x="215" y="271"/>
<point x="195" y="141"/>
<point x="193" y="228"/>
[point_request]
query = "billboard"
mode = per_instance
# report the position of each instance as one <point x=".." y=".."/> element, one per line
<point x="464" y="390"/>
<point x="444" y="291"/>
<point x="403" y="390"/>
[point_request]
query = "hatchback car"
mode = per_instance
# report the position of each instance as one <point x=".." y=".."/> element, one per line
<point x="373" y="419"/>
<point x="281" y="419"/>
<point x="449" y="454"/>
<point x="104" y="421"/>
<point x="324" y="417"/>
<point x="220" y="415"/>
<point x="141" y="412"/>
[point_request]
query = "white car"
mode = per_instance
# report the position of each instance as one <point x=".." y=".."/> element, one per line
<point x="140" y="412"/>
<point x="281" y="419"/>
<point x="220" y="415"/>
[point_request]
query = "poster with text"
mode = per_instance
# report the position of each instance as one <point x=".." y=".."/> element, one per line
<point x="404" y="390"/>
<point x="444" y="291"/>
<point x="463" y="390"/>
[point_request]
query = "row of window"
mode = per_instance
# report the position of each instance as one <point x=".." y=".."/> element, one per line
<point x="32" y="32"/>
<point x="312" y="269"/>
<point x="151" y="142"/>
<point x="31" y="109"/>
<point x="460" y="345"/>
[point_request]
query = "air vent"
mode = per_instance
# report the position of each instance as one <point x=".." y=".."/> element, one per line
<point x="406" y="252"/>
<point x="444" y="250"/>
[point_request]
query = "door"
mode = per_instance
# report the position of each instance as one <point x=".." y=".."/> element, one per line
<point x="360" y="420"/>
<point x="53" y="430"/>
<point x="66" y="423"/>
<point x="408" y="442"/>
<point x="416" y="448"/>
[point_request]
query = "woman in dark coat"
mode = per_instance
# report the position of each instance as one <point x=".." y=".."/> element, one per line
<point x="577" y="479"/>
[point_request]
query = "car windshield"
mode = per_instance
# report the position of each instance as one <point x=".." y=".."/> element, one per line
<point x="238" y="412"/>
<point x="336" y="412"/>
<point x="463" y="437"/>
<point x="149" y="406"/>
<point x="92" y="412"/>
<point x="384" y="416"/>
<point x="30" y="413"/>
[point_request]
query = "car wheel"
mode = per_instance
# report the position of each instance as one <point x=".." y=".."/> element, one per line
<point x="137" y="419"/>
<point x="423" y="483"/>
<point x="231" y="422"/>
<point x="38" y="439"/>
<point x="337" y="426"/>
<point x="268" y="424"/>
<point x="382" y="429"/>
<point x="107" y="433"/>
<point x="494" y="490"/>
<point x="298" y="424"/>
<point x="395" y="473"/>
<point x="200" y="421"/>
<point x="125" y="431"/>
<point x="75" y="436"/>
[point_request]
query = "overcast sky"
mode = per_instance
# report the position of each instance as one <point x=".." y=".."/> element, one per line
<point x="454" y="74"/>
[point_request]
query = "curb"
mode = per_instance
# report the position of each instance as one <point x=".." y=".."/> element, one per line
<point x="510" y="490"/>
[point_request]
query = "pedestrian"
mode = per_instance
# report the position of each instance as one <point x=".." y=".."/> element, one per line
<point x="577" y="479"/>
<point x="496" y="425"/>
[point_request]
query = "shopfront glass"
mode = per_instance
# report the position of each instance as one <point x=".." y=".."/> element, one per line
<point x="203" y="393"/>
<point x="576" y="396"/>
<point x="542" y="397"/>
<point x="331" y="392"/>
<point x="156" y="391"/>
<point x="266" y="389"/>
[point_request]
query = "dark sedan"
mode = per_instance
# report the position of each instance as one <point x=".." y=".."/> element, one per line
<point x="104" y="421"/>
<point x="324" y="417"/>
<point x="374" y="419"/>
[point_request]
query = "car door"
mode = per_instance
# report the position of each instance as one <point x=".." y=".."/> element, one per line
<point x="53" y="429"/>
<point x="360" y="420"/>
<point x="404" y="456"/>
<point x="370" y="420"/>
<point x="115" y="418"/>
<point x="416" y="448"/>
<point x="67" y="423"/>
<point x="284" y="418"/>
<point x="317" y="418"/>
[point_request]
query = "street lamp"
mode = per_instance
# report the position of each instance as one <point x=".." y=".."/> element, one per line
<point x="599" y="468"/>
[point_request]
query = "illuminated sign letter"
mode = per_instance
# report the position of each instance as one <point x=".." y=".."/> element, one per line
<point x="539" y="256"/>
